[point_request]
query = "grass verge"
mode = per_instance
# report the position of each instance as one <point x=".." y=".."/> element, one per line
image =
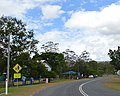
<point x="32" y="89"/>
<point x="113" y="83"/>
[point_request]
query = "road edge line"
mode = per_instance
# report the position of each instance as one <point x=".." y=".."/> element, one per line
<point x="81" y="90"/>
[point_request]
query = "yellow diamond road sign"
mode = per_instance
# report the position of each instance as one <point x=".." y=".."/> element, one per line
<point x="17" y="68"/>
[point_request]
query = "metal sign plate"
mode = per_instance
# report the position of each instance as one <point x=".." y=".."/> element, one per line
<point x="17" y="68"/>
<point x="17" y="75"/>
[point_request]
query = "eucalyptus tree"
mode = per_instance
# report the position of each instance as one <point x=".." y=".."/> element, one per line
<point x="82" y="61"/>
<point x="50" y="47"/>
<point x="85" y="56"/>
<point x="115" y="58"/>
<point x="21" y="39"/>
<point x="70" y="57"/>
<point x="54" y="59"/>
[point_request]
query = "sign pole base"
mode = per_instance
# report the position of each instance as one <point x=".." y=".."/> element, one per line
<point x="6" y="87"/>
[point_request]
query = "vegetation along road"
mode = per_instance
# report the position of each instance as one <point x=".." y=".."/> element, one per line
<point x="92" y="87"/>
<point x="19" y="44"/>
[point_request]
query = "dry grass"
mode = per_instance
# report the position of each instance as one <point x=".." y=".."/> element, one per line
<point x="113" y="83"/>
<point x="32" y="89"/>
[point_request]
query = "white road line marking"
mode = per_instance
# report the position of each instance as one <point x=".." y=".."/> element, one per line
<point x="81" y="90"/>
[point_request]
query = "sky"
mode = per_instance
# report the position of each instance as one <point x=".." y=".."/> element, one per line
<point x="78" y="25"/>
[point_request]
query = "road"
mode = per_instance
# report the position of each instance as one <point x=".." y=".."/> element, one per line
<point x="92" y="87"/>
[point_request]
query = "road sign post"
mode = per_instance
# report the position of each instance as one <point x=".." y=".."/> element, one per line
<point x="6" y="86"/>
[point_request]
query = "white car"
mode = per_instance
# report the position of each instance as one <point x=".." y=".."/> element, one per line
<point x="91" y="76"/>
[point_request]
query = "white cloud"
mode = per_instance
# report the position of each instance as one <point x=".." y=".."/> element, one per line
<point x="45" y="1"/>
<point x="33" y="24"/>
<point x="101" y="29"/>
<point x="19" y="8"/>
<point x="106" y="21"/>
<point x="51" y="11"/>
<point x="15" y="8"/>
<point x="48" y="24"/>
<point x="97" y="46"/>
<point x="90" y="25"/>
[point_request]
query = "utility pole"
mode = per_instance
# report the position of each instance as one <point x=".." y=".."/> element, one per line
<point x="8" y="65"/>
<point x="8" y="62"/>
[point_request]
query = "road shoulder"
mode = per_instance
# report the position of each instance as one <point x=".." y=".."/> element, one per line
<point x="113" y="82"/>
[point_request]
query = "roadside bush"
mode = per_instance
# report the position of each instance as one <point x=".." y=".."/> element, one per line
<point x="50" y="74"/>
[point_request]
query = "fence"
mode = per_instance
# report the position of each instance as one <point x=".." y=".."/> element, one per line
<point x="26" y="82"/>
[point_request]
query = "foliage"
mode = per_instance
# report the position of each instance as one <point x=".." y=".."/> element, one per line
<point x="93" y="67"/>
<point x="50" y="47"/>
<point x="22" y="42"/>
<point x="85" y="56"/>
<point x="50" y="74"/>
<point x="55" y="60"/>
<point x="37" y="67"/>
<point x="81" y="63"/>
<point x="115" y="58"/>
<point x="70" y="57"/>
<point x="105" y="68"/>
<point x="23" y="47"/>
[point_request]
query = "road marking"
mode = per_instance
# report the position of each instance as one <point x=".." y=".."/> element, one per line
<point x="81" y="90"/>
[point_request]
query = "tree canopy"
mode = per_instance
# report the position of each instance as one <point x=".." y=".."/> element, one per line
<point x="23" y="51"/>
<point x="115" y="58"/>
<point x="22" y="41"/>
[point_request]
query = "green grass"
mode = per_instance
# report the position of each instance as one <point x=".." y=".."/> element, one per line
<point x="113" y="83"/>
<point x="2" y="85"/>
<point x="32" y="89"/>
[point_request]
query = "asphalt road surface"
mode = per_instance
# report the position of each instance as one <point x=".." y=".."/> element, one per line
<point x="92" y="87"/>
